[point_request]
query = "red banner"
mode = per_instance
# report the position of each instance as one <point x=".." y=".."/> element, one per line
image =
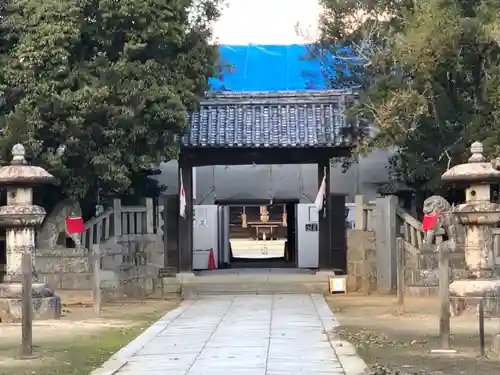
<point x="429" y="222"/>
<point x="75" y="225"/>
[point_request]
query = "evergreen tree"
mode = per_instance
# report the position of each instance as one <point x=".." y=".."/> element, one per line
<point x="112" y="81"/>
<point x="428" y="76"/>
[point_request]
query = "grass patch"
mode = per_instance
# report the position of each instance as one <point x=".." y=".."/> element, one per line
<point x="76" y="356"/>
<point x="84" y="351"/>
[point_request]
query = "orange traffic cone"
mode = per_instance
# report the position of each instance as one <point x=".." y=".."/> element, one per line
<point x="211" y="260"/>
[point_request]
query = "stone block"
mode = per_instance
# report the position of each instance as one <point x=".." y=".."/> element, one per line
<point x="422" y="291"/>
<point x="351" y="267"/>
<point x="355" y="253"/>
<point x="157" y="285"/>
<point x="43" y="308"/>
<point x="108" y="275"/>
<point x="496" y="344"/>
<point x="354" y="283"/>
<point x="76" y="281"/>
<point x="361" y="258"/>
<point x="76" y="265"/>
<point x="359" y="268"/>
<point x="475" y="288"/>
<point x="53" y="280"/>
<point x="111" y="262"/>
<point x="49" y="264"/>
<point x="157" y="257"/>
<point x="110" y="290"/>
<point x="137" y="287"/>
<point x="149" y="285"/>
<point x="170" y="286"/>
<point x="370" y="255"/>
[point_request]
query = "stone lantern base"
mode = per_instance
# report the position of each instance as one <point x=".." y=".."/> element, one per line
<point x="475" y="288"/>
<point x="496" y="344"/>
<point x="46" y="305"/>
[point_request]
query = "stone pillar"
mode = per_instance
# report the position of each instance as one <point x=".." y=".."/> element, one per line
<point x="20" y="218"/>
<point x="148" y="218"/>
<point x="18" y="240"/>
<point x="385" y="234"/>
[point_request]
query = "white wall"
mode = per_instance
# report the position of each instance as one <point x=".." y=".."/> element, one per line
<point x="280" y="181"/>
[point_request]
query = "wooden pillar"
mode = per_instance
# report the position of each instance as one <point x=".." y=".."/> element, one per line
<point x="324" y="248"/>
<point x="338" y="235"/>
<point x="170" y="235"/>
<point x="186" y="223"/>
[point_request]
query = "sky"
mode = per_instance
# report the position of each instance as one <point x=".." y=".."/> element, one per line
<point x="246" y="22"/>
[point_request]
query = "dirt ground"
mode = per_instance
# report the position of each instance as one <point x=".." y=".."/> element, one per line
<point x="79" y="342"/>
<point x="401" y="343"/>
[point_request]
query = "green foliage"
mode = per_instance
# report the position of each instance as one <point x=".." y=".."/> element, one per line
<point x="428" y="75"/>
<point x="112" y="80"/>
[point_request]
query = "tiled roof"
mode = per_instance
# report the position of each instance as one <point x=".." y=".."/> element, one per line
<point x="271" y="119"/>
<point x="394" y="187"/>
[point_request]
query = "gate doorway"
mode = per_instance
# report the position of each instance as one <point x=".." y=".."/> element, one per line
<point x="257" y="128"/>
<point x="262" y="235"/>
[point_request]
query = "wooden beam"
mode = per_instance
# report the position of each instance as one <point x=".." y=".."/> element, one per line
<point x="324" y="248"/>
<point x="239" y="155"/>
<point x="185" y="237"/>
<point x="255" y="202"/>
<point x="170" y="236"/>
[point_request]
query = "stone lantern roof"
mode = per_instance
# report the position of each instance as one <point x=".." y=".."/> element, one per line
<point x="20" y="173"/>
<point x="476" y="170"/>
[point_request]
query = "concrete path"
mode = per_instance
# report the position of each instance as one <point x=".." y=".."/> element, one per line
<point x="240" y="335"/>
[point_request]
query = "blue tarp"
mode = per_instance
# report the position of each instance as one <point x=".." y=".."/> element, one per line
<point x="268" y="68"/>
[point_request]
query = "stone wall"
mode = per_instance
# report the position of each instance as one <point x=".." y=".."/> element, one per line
<point x="129" y="267"/>
<point x="64" y="268"/>
<point x="361" y="261"/>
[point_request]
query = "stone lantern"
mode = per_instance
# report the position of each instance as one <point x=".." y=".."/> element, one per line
<point x="478" y="215"/>
<point x="20" y="217"/>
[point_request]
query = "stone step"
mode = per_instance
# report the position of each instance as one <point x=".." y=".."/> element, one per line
<point x="249" y="282"/>
<point x="258" y="283"/>
<point x="193" y="289"/>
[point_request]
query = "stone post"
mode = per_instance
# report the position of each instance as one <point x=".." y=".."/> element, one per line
<point x="360" y="219"/>
<point x="20" y="217"/>
<point x="117" y="217"/>
<point x="385" y="234"/>
<point x="148" y="223"/>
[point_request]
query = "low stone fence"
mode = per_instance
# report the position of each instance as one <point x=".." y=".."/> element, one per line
<point x="129" y="267"/>
<point x="64" y="268"/>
